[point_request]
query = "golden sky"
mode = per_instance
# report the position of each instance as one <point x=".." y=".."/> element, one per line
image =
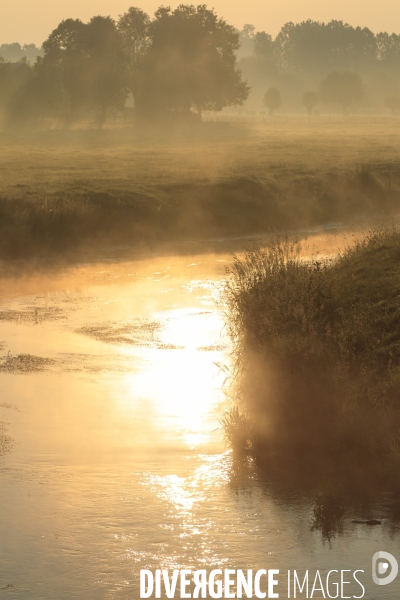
<point x="28" y="21"/>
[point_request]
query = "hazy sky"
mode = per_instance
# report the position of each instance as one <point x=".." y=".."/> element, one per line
<point x="28" y="21"/>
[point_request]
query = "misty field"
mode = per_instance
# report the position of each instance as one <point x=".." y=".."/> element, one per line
<point x="145" y="185"/>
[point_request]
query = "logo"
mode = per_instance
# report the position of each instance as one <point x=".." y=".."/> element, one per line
<point x="380" y="565"/>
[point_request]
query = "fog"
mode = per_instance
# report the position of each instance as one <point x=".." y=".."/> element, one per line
<point x="189" y="60"/>
<point x="150" y="129"/>
<point x="27" y="22"/>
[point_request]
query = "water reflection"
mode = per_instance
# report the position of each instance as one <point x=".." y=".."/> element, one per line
<point x="328" y="513"/>
<point x="6" y="441"/>
<point x="119" y="462"/>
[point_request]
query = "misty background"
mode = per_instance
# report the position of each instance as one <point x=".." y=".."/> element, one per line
<point x="190" y="59"/>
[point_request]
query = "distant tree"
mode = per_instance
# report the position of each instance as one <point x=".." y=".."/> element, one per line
<point x="259" y="67"/>
<point x="310" y="100"/>
<point x="134" y="27"/>
<point x="263" y="45"/>
<point x="393" y="104"/>
<point x="14" y="52"/>
<point x="272" y="99"/>
<point x="107" y="65"/>
<point x="31" y="51"/>
<point x="62" y="71"/>
<point x="248" y="30"/>
<point x="84" y="65"/>
<point x="388" y="50"/>
<point x="314" y="48"/>
<point x="344" y="89"/>
<point x="191" y="62"/>
<point x="15" y="81"/>
<point x="3" y="82"/>
<point x="246" y="38"/>
<point x="11" y="52"/>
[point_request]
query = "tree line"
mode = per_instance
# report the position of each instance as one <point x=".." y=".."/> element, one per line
<point x="314" y="47"/>
<point x="187" y="60"/>
<point x="15" y="52"/>
<point x="333" y="60"/>
<point x="344" y="89"/>
<point x="180" y="60"/>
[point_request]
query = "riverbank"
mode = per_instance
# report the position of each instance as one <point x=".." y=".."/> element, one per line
<point x="67" y="193"/>
<point x="88" y="221"/>
<point x="317" y="354"/>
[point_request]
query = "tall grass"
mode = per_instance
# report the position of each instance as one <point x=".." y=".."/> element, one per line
<point x="318" y="349"/>
<point x="81" y="218"/>
<point x="237" y="430"/>
<point x="66" y="192"/>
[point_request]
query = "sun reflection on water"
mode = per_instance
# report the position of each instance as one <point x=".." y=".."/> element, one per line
<point x="119" y="465"/>
<point x="184" y="493"/>
<point x="181" y="382"/>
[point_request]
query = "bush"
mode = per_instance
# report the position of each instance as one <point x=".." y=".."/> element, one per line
<point x="318" y="348"/>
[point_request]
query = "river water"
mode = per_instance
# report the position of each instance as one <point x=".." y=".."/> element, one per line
<point x="112" y="387"/>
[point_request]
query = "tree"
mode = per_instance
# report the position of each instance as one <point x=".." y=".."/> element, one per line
<point x="263" y="46"/>
<point x="62" y="71"/>
<point x="344" y="89"/>
<point x="14" y="52"/>
<point x="191" y="62"/>
<point x="134" y="27"/>
<point x="83" y="66"/>
<point x="107" y="64"/>
<point x="15" y="81"/>
<point x="272" y="99"/>
<point x="393" y="104"/>
<point x="246" y="40"/>
<point x="310" y="100"/>
<point x="388" y="50"/>
<point x="314" y="48"/>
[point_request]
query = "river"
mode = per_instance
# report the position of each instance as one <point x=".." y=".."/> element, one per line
<point x="112" y="388"/>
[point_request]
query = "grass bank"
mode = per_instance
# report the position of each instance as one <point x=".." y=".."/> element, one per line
<point x="93" y="219"/>
<point x="318" y="354"/>
<point x="64" y="192"/>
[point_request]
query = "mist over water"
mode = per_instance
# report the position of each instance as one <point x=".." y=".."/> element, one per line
<point x="119" y="462"/>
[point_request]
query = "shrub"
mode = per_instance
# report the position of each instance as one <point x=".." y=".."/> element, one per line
<point x="318" y="348"/>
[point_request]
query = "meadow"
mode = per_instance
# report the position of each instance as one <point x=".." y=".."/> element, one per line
<point x="66" y="191"/>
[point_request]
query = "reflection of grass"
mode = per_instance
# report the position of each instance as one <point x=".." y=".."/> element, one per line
<point x="338" y="496"/>
<point x="212" y="348"/>
<point x="318" y="350"/>
<point x="25" y="363"/>
<point x="6" y="442"/>
<point x="328" y="513"/>
<point x="32" y="315"/>
<point x="65" y="191"/>
<point x="138" y="333"/>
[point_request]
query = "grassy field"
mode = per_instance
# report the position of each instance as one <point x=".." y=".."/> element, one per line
<point x="318" y="354"/>
<point x="67" y="190"/>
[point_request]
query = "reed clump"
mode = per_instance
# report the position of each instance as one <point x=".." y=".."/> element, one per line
<point x="318" y="350"/>
<point x="237" y="430"/>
